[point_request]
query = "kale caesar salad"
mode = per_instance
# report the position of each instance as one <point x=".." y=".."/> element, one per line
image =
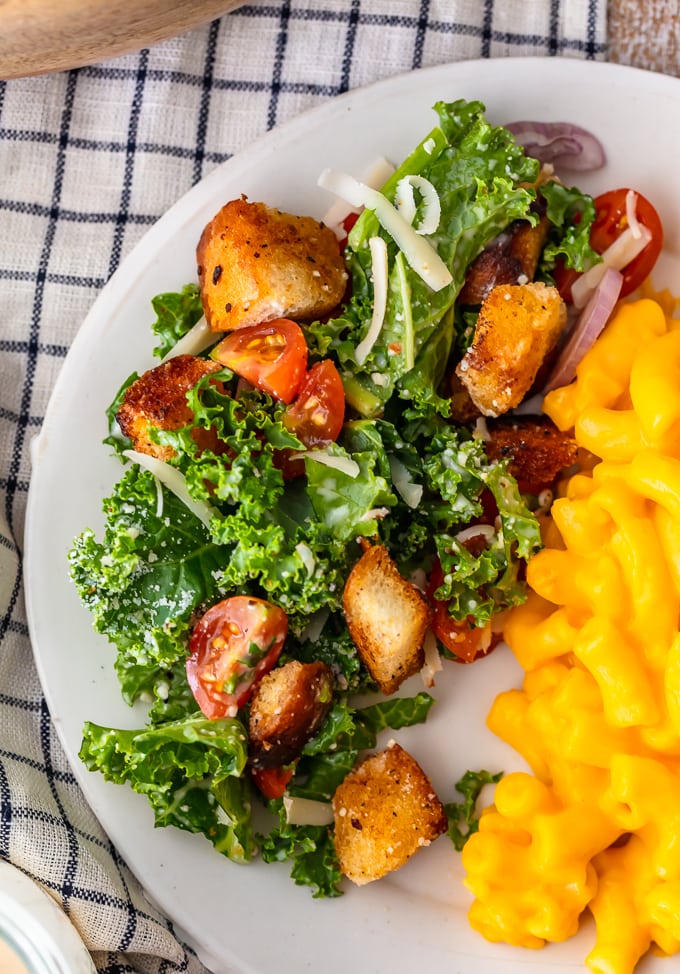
<point x="330" y="486"/>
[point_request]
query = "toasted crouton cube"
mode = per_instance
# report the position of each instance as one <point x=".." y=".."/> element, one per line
<point x="509" y="259"/>
<point x="289" y="705"/>
<point x="387" y="619"/>
<point x="384" y="811"/>
<point x="158" y="398"/>
<point x="256" y="264"/>
<point x="537" y="451"/>
<point x="518" y="325"/>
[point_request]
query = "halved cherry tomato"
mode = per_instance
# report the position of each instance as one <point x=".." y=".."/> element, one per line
<point x="317" y="414"/>
<point x="272" y="782"/>
<point x="466" y="641"/>
<point x="232" y="646"/>
<point x="610" y="221"/>
<point x="347" y="225"/>
<point x="272" y="356"/>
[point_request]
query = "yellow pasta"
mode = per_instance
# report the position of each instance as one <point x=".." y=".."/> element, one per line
<point x="603" y="376"/>
<point x="616" y="664"/>
<point x="623" y="879"/>
<point x="583" y="526"/>
<point x="610" y="434"/>
<point x="672" y="683"/>
<point x="595" y="825"/>
<point x="654" y="383"/>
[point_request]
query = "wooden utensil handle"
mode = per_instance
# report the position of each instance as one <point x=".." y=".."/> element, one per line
<point x="37" y="36"/>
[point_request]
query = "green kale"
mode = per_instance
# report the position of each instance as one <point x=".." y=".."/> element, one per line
<point x="176" y="313"/>
<point x="154" y="567"/>
<point x="116" y="437"/>
<point x="479" y="174"/>
<point x="190" y="771"/>
<point x="571" y="214"/>
<point x="310" y="850"/>
<point x="325" y="762"/>
<point x="463" y="817"/>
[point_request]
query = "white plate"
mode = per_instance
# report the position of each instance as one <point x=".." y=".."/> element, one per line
<point x="252" y="918"/>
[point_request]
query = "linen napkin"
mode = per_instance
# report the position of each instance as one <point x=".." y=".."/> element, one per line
<point x="89" y="159"/>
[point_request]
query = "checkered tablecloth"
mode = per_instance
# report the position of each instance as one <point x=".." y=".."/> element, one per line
<point x="89" y="159"/>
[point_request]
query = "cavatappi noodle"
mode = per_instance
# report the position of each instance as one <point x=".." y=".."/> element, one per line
<point x="596" y="824"/>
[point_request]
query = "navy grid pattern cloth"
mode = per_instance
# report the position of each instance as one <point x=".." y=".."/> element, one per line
<point x="89" y="159"/>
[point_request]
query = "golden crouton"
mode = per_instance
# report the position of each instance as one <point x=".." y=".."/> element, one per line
<point x="463" y="410"/>
<point x="289" y="705"/>
<point x="158" y="398"/>
<point x="256" y="264"/>
<point x="511" y="258"/>
<point x="517" y="327"/>
<point x="384" y="811"/>
<point x="537" y="450"/>
<point x="387" y="619"/>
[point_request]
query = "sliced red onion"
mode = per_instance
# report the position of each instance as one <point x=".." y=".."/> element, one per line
<point x="588" y="327"/>
<point x="565" y="145"/>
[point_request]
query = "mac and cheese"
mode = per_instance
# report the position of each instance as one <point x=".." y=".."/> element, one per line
<point x="596" y="824"/>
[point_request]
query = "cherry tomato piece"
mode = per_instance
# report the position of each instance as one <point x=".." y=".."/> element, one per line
<point x="272" y="356"/>
<point x="610" y="221"/>
<point x="347" y="225"/>
<point x="272" y="782"/>
<point x="564" y="278"/>
<point x="317" y="414"/>
<point x="232" y="646"/>
<point x="462" y="638"/>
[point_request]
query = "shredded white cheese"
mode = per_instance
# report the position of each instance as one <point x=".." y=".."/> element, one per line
<point x="406" y="203"/>
<point x="376" y="176"/>
<point x="481" y="429"/>
<point x="375" y="514"/>
<point x="196" y="340"/>
<point x="343" y="464"/>
<point x="625" y="248"/>
<point x="314" y="627"/>
<point x="174" y="481"/>
<point x="306" y="811"/>
<point x="433" y="661"/>
<point x="378" y="249"/>
<point x="307" y="558"/>
<point x="409" y="492"/>
<point x="631" y="213"/>
<point x="421" y="255"/>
